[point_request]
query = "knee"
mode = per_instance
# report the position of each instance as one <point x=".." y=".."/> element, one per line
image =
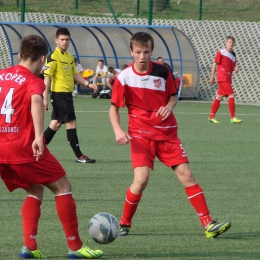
<point x="219" y="97"/>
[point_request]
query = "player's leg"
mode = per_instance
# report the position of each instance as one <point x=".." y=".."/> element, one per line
<point x="142" y="153"/>
<point x="214" y="108"/>
<point x="74" y="142"/>
<point x="133" y="197"/>
<point x="55" y="124"/>
<point x="197" y="199"/>
<point x="231" y="107"/>
<point x="31" y="212"/>
<point x="66" y="210"/>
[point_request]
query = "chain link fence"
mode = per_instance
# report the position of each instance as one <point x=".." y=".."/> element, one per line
<point x="232" y="10"/>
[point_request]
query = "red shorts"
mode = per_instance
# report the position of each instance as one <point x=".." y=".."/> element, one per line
<point x="45" y="171"/>
<point x="225" y="88"/>
<point x="169" y="152"/>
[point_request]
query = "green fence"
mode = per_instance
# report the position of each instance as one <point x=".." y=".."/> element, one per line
<point x="232" y="10"/>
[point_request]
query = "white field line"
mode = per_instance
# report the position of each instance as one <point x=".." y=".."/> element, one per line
<point x="176" y="113"/>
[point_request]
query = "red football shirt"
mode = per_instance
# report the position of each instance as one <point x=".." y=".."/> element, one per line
<point x="143" y="95"/>
<point x="226" y="63"/>
<point x="17" y="85"/>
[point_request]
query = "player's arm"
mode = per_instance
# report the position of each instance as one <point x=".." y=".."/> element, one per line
<point x="78" y="78"/>
<point x="47" y="83"/>
<point x="121" y="136"/>
<point x="213" y="71"/>
<point x="37" y="111"/>
<point x="165" y="111"/>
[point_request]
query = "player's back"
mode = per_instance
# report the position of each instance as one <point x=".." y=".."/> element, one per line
<point x="17" y="84"/>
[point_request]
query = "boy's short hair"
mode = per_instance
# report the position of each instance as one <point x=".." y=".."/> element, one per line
<point x="101" y="60"/>
<point x="230" y="37"/>
<point x="141" y="39"/>
<point x="111" y="69"/>
<point x="33" y="47"/>
<point x="62" y="31"/>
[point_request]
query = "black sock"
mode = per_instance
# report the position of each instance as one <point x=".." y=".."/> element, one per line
<point x="73" y="141"/>
<point x="48" y="135"/>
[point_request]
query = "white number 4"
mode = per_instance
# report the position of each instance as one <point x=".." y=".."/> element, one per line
<point x="6" y="108"/>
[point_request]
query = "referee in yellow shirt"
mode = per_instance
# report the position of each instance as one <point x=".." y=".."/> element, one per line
<point x="59" y="76"/>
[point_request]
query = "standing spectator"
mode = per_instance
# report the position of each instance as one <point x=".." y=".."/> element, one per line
<point x="60" y="74"/>
<point x="27" y="163"/>
<point x="101" y="73"/>
<point x="149" y="92"/>
<point x="225" y="64"/>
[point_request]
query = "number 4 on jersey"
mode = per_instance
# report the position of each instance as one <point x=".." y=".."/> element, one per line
<point x="6" y="108"/>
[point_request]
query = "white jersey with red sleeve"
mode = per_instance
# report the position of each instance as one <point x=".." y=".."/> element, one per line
<point x="143" y="95"/>
<point x="17" y="85"/>
<point x="226" y="63"/>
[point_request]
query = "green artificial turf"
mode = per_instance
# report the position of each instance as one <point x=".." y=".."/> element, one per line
<point x="224" y="158"/>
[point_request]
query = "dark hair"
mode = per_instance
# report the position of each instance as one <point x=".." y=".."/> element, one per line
<point x="159" y="58"/>
<point x="111" y="69"/>
<point x="101" y="60"/>
<point x="33" y="47"/>
<point x="141" y="39"/>
<point x="62" y="31"/>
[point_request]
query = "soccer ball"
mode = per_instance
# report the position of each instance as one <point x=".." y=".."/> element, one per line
<point x="103" y="228"/>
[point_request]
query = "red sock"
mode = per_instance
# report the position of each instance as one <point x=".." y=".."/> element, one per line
<point x="214" y="108"/>
<point x="66" y="209"/>
<point x="198" y="201"/>
<point x="130" y="207"/>
<point x="231" y="106"/>
<point x="31" y="212"/>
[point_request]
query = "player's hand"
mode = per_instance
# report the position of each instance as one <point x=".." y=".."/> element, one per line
<point x="164" y="112"/>
<point x="94" y="87"/>
<point x="122" y="138"/>
<point x="236" y="70"/>
<point x="38" y="148"/>
<point x="45" y="103"/>
<point x="212" y="81"/>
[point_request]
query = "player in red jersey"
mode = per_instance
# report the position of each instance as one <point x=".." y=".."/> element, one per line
<point x="149" y="92"/>
<point x="225" y="64"/>
<point x="25" y="161"/>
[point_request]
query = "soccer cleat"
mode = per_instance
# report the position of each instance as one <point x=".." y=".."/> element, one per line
<point x="84" y="159"/>
<point x="213" y="120"/>
<point x="235" y="120"/>
<point x="28" y="254"/>
<point x="85" y="253"/>
<point x="215" y="229"/>
<point x="124" y="231"/>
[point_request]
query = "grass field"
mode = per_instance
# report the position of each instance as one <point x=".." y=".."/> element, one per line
<point x="224" y="159"/>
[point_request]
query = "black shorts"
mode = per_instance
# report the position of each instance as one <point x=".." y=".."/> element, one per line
<point x="63" y="108"/>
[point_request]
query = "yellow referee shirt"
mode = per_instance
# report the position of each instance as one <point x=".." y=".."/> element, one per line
<point x="61" y="68"/>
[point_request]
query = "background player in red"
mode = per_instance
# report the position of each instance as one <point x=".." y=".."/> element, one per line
<point x="25" y="161"/>
<point x="225" y="64"/>
<point x="149" y="92"/>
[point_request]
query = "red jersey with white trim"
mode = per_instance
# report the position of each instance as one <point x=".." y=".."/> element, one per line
<point x="17" y="85"/>
<point x="143" y="95"/>
<point x="226" y="63"/>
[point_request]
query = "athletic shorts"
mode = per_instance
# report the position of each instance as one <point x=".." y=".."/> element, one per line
<point x="63" y="108"/>
<point x="225" y="88"/>
<point x="45" y="171"/>
<point x="169" y="152"/>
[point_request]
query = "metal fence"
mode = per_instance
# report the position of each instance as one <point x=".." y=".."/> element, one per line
<point x="232" y="10"/>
